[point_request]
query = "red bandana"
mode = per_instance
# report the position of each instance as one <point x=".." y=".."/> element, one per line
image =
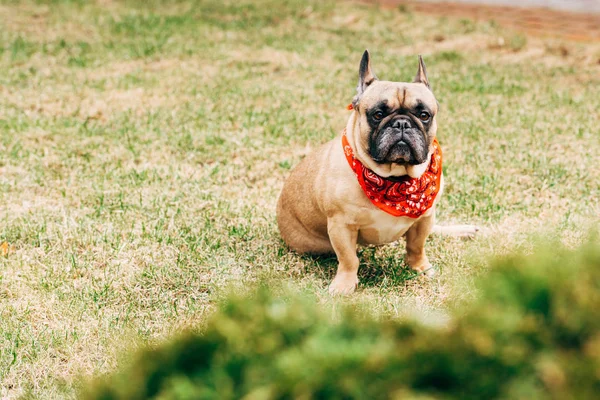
<point x="406" y="197"/>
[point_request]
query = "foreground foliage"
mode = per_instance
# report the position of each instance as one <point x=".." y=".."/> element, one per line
<point x="533" y="333"/>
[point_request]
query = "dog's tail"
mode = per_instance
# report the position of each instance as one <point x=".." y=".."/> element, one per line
<point x="464" y="231"/>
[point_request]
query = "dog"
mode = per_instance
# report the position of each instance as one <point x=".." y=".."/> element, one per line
<point x="378" y="181"/>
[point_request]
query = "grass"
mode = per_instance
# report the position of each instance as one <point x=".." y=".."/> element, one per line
<point x="143" y="146"/>
<point x="533" y="332"/>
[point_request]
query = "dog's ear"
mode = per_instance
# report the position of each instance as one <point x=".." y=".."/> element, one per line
<point x="422" y="74"/>
<point x="366" y="76"/>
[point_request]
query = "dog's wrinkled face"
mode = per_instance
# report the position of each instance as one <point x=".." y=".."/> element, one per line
<point x="397" y="119"/>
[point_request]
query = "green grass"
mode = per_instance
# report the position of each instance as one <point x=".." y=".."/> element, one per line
<point x="534" y="332"/>
<point x="143" y="146"/>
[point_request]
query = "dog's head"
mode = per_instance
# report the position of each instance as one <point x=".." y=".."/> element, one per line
<point x="396" y="120"/>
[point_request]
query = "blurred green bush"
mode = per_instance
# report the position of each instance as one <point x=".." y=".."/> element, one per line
<point x="533" y="333"/>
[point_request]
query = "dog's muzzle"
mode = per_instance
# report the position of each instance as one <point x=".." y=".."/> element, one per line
<point x="400" y="141"/>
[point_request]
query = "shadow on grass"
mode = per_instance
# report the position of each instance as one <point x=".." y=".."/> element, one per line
<point x="378" y="267"/>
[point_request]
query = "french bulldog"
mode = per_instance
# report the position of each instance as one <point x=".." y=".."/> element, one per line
<point x="379" y="180"/>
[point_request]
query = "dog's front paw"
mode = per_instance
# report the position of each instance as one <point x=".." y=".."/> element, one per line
<point x="430" y="271"/>
<point x="343" y="284"/>
<point x="421" y="265"/>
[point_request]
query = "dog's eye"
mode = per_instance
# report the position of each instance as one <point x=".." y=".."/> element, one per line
<point x="378" y="116"/>
<point x="424" y="116"/>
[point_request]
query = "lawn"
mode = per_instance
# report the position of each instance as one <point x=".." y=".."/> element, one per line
<point x="143" y="146"/>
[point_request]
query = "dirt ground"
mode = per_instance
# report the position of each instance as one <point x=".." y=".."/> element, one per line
<point x="578" y="26"/>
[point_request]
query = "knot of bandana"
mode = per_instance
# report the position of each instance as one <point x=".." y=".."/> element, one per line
<point x="404" y="196"/>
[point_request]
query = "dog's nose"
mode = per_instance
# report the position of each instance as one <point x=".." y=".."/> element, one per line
<point x="401" y="124"/>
